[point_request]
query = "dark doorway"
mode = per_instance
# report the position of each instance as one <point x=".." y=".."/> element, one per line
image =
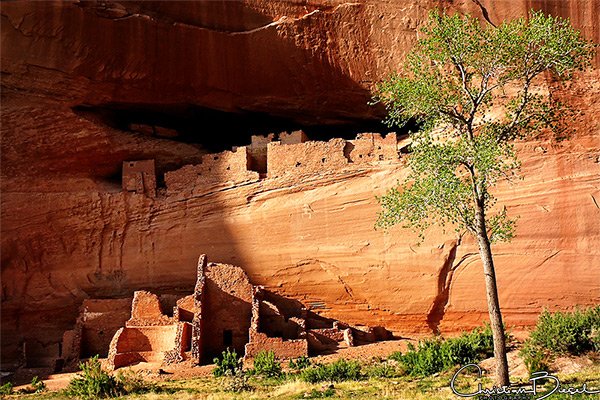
<point x="227" y="337"/>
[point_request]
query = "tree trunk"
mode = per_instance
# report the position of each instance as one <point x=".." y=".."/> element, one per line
<point x="485" y="252"/>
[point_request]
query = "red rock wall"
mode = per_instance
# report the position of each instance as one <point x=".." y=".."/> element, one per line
<point x="69" y="233"/>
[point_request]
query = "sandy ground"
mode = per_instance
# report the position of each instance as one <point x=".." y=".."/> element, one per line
<point x="185" y="370"/>
<point x="367" y="352"/>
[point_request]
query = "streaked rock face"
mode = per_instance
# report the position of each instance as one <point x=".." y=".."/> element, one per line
<point x="70" y="233"/>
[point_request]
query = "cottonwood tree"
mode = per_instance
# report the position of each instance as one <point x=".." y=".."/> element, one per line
<point x="473" y="90"/>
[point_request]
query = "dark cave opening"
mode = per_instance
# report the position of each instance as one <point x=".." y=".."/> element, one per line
<point x="215" y="130"/>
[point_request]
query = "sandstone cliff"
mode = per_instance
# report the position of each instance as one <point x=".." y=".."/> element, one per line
<point x="69" y="233"/>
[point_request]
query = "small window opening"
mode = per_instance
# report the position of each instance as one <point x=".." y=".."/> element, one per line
<point x="227" y="337"/>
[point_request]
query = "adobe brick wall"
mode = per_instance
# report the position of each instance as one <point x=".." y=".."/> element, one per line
<point x="100" y="319"/>
<point x="146" y="310"/>
<point x="283" y="349"/>
<point x="143" y="343"/>
<point x="293" y="138"/>
<point x="139" y="177"/>
<point x="292" y="155"/>
<point x="370" y="147"/>
<point x="258" y="152"/>
<point x="219" y="168"/>
<point x="274" y="324"/>
<point x="305" y="158"/>
<point x="226" y="306"/>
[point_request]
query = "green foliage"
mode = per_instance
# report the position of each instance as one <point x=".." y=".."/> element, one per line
<point x="236" y="381"/>
<point x="454" y="84"/>
<point x="561" y="333"/>
<point x="94" y="382"/>
<point x="300" y="363"/>
<point x="134" y="383"/>
<point x="229" y="362"/>
<point x="535" y="358"/>
<point x="37" y="385"/>
<point x="382" y="370"/>
<point x="6" y="388"/>
<point x="338" y="371"/>
<point x="266" y="364"/>
<point x="329" y="391"/>
<point x="396" y="356"/>
<point x="567" y="332"/>
<point x="436" y="355"/>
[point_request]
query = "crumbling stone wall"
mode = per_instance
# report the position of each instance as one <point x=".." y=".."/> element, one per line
<point x="100" y="319"/>
<point x="139" y="177"/>
<point x="291" y="154"/>
<point x="283" y="349"/>
<point x="96" y="325"/>
<point x="148" y="335"/>
<point x="146" y="310"/>
<point x="305" y="158"/>
<point x="226" y="310"/>
<point x="294" y="156"/>
<point x="295" y="137"/>
<point x="195" y="307"/>
<point x="220" y="168"/>
<point x="258" y="152"/>
<point x="370" y="147"/>
<point x="265" y="313"/>
<point x="147" y="343"/>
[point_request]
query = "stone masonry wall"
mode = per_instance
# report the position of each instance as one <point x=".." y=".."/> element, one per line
<point x="369" y="147"/>
<point x="139" y="177"/>
<point x="305" y="158"/>
<point x="220" y="168"/>
<point x="146" y="310"/>
<point x="226" y="310"/>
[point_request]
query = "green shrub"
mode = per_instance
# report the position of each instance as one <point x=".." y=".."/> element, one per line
<point x="6" y="389"/>
<point x="567" y="332"/>
<point x="396" y="356"/>
<point x="435" y="355"/>
<point x="266" y="364"/>
<point x="561" y="333"/>
<point x="382" y="370"/>
<point x="134" y="383"/>
<point x="320" y="394"/>
<point x="37" y="385"/>
<point x="94" y="382"/>
<point x="338" y="371"/>
<point x="237" y="382"/>
<point x="229" y="361"/>
<point x="535" y="358"/>
<point x="300" y="363"/>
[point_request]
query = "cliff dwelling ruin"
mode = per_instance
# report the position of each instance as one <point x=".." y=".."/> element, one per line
<point x="270" y="156"/>
<point x="225" y="311"/>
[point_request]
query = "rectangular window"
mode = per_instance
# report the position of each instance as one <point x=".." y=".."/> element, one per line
<point x="227" y="337"/>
